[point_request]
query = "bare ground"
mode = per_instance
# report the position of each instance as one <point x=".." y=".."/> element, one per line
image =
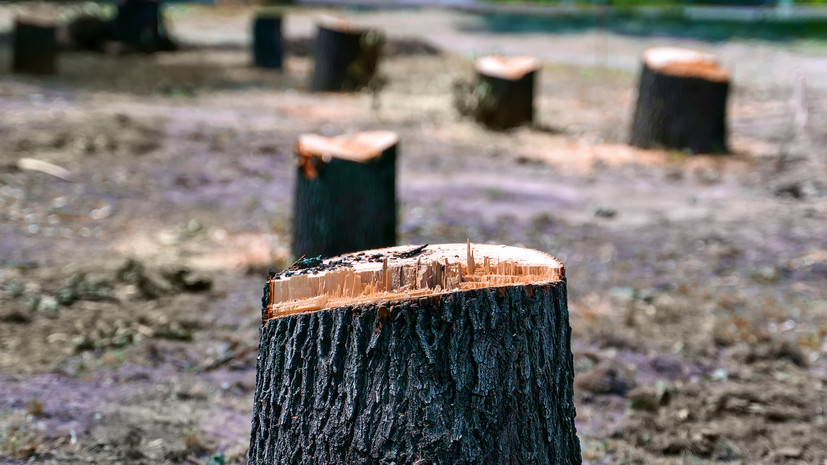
<point x="129" y="304"/>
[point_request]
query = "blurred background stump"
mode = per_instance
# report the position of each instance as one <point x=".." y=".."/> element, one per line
<point x="454" y="353"/>
<point x="503" y="95"/>
<point x="88" y="32"/>
<point x="681" y="102"/>
<point x="346" y="57"/>
<point x="268" y="44"/>
<point x="139" y="25"/>
<point x="34" y="45"/>
<point x="345" y="193"/>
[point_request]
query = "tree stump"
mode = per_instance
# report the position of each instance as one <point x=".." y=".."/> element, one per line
<point x="139" y="25"/>
<point x="449" y="354"/>
<point x="34" y="47"/>
<point x="503" y="96"/>
<point x="89" y="32"/>
<point x="268" y="45"/>
<point x="346" y="57"/>
<point x="681" y="102"/>
<point x="345" y="196"/>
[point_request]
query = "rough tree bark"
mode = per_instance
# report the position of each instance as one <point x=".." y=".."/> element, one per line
<point x="139" y="24"/>
<point x="268" y="44"/>
<point x="34" y="47"/>
<point x="346" y="57"/>
<point x="475" y="371"/>
<point x="681" y="102"/>
<point x="345" y="197"/>
<point x="503" y="96"/>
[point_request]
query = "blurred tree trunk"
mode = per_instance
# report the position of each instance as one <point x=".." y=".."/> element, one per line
<point x="344" y="205"/>
<point x="34" y="46"/>
<point x="268" y="45"/>
<point x="682" y="111"/>
<point x="346" y="58"/>
<point x="504" y="103"/>
<point x="140" y="26"/>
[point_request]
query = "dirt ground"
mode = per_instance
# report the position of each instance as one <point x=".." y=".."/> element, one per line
<point x="129" y="303"/>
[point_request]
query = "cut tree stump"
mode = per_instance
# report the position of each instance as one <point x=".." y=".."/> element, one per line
<point x="346" y="56"/>
<point x="34" y="47"/>
<point x="682" y="102"/>
<point x="449" y="354"/>
<point x="345" y="196"/>
<point x="503" y="96"/>
<point x="139" y="24"/>
<point x="268" y="44"/>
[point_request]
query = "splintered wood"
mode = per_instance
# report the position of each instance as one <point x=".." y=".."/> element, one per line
<point x="392" y="275"/>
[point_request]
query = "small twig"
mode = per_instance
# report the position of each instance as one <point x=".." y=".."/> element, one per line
<point x="226" y="359"/>
<point x="51" y="169"/>
<point x="413" y="252"/>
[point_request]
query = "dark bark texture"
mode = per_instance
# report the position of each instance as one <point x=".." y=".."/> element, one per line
<point x="268" y="45"/>
<point x="504" y="103"/>
<point x="481" y="376"/>
<point x="34" y="48"/>
<point x="345" y="206"/>
<point x="140" y="26"/>
<point x="683" y="113"/>
<point x="345" y="60"/>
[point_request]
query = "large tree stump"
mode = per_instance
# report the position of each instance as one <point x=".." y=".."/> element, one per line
<point x="346" y="57"/>
<point x="447" y="354"/>
<point x="34" y="47"/>
<point x="681" y="101"/>
<point x="503" y="96"/>
<point x="268" y="44"/>
<point x="345" y="193"/>
<point x="139" y="24"/>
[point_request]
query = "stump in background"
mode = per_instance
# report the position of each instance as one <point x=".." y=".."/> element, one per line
<point x="34" y="47"/>
<point x="346" y="57"/>
<point x="681" y="101"/>
<point x="345" y="193"/>
<point x="139" y="24"/>
<point x="449" y="354"/>
<point x="88" y="32"/>
<point x="268" y="45"/>
<point x="503" y="96"/>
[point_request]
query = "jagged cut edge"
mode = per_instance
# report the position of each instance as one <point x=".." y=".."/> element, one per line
<point x="388" y="275"/>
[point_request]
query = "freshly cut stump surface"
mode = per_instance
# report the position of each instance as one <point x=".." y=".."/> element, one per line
<point x="345" y="197"/>
<point x="682" y="101"/>
<point x="504" y="92"/>
<point x="449" y="354"/>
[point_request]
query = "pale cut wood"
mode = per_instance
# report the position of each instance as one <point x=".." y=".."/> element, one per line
<point x="506" y="67"/>
<point x="435" y="270"/>
<point x="337" y="23"/>
<point x="684" y="62"/>
<point x="361" y="146"/>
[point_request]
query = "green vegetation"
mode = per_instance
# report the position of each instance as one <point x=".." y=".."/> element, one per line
<point x="664" y="22"/>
